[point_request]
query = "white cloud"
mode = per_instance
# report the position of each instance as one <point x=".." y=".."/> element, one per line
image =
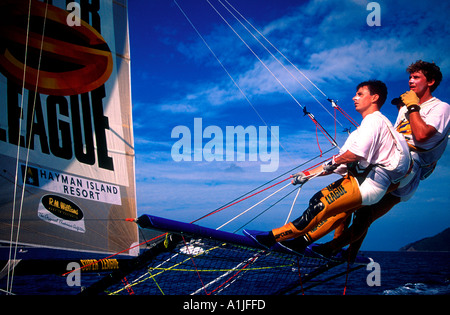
<point x="329" y="40"/>
<point x="179" y="108"/>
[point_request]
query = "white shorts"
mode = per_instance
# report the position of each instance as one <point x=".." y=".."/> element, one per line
<point x="374" y="186"/>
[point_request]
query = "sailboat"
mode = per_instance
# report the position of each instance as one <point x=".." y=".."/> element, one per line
<point x="68" y="189"/>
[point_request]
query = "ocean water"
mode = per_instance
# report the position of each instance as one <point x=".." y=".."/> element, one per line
<point x="400" y="273"/>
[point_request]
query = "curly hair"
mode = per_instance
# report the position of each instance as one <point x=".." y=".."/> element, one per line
<point x="429" y="69"/>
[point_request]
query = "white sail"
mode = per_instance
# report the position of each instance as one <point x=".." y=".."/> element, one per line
<point x="67" y="162"/>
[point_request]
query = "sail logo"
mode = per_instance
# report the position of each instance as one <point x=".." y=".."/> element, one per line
<point x="62" y="212"/>
<point x="74" y="128"/>
<point x="67" y="112"/>
<point x="31" y="176"/>
<point x="223" y="146"/>
<point x="63" y="61"/>
<point x="62" y="208"/>
<point x="71" y="185"/>
<point x="335" y="194"/>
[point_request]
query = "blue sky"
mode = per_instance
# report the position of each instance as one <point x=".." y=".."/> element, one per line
<point x="176" y="79"/>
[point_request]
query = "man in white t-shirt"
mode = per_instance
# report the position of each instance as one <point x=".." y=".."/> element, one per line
<point x="373" y="158"/>
<point x="424" y="121"/>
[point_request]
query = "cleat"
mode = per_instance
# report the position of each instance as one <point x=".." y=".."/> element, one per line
<point x="262" y="238"/>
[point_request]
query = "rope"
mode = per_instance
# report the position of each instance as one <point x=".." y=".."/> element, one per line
<point x="156" y="282"/>
<point x="265" y="210"/>
<point x="231" y="203"/>
<point x="8" y="284"/>
<point x="318" y="126"/>
<point x="235" y="201"/>
<point x="350" y="119"/>
<point x="298" y="192"/>
<point x="141" y="279"/>
<point x="348" y="257"/>
<point x="11" y="276"/>
<point x="293" y="203"/>
<point x="127" y="286"/>
<point x="261" y="201"/>
<point x="300" y="275"/>
<point x="195" y="266"/>
<point x="251" y="261"/>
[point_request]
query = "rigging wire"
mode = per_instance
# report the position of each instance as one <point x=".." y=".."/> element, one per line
<point x="229" y="75"/>
<point x="295" y="199"/>
<point x="333" y="102"/>
<point x="257" y="190"/>
<point x="273" y="56"/>
<point x="333" y="142"/>
<point x="28" y="149"/>
<point x="11" y="273"/>
<point x="18" y="151"/>
<point x="311" y="116"/>
<point x="265" y="210"/>
<point x="318" y="126"/>
<point x="258" y="203"/>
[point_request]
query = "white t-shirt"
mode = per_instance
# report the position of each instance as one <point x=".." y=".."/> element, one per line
<point x="435" y="113"/>
<point x="376" y="142"/>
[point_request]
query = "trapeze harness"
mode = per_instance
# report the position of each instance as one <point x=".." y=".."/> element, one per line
<point x="425" y="155"/>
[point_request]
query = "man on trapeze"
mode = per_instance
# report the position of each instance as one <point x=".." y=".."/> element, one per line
<point x="372" y="161"/>
<point x="424" y="121"/>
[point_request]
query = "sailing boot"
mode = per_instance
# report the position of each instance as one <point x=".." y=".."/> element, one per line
<point x="324" y="250"/>
<point x="263" y="238"/>
<point x="296" y="245"/>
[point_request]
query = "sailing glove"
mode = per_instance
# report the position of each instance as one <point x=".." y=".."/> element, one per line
<point x="411" y="101"/>
<point x="300" y="178"/>
<point x="330" y="166"/>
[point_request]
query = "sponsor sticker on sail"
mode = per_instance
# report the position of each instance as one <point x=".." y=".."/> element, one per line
<point x="71" y="185"/>
<point x="61" y="211"/>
